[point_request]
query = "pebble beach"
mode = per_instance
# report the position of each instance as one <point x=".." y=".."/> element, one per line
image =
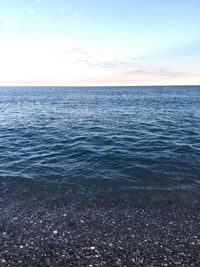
<point x="41" y="227"/>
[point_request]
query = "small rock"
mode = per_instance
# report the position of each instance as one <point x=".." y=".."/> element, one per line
<point x="47" y="262"/>
<point x="92" y="248"/>
<point x="118" y="262"/>
<point x="55" y="232"/>
<point x="2" y="261"/>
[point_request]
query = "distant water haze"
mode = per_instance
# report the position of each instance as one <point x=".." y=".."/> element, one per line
<point x="106" y="137"/>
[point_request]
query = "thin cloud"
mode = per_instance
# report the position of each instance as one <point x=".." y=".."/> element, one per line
<point x="152" y="71"/>
<point x="31" y="10"/>
<point x="76" y="17"/>
<point x="10" y="21"/>
<point x="76" y="14"/>
<point x="132" y="69"/>
<point x="81" y="55"/>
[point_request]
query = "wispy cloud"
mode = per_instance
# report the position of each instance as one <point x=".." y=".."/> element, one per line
<point x="138" y="69"/>
<point x="10" y="21"/>
<point x="150" y="71"/>
<point x="31" y="10"/>
<point x="35" y="12"/>
<point x="94" y="59"/>
<point x="76" y="17"/>
<point x="76" y="14"/>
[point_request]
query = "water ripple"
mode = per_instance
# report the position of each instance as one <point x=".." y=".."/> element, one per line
<point x="136" y="137"/>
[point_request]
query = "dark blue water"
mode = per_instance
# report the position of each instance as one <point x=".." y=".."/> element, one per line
<point x="112" y="137"/>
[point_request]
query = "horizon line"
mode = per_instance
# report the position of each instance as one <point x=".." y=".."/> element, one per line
<point x="161" y="85"/>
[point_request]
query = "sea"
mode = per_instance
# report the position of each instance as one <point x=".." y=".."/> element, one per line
<point x="101" y="138"/>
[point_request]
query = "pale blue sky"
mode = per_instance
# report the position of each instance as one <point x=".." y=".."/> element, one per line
<point x="100" y="42"/>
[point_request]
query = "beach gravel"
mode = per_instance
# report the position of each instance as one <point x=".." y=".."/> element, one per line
<point x="98" y="229"/>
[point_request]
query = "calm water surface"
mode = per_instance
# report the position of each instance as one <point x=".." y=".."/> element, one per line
<point x="111" y="137"/>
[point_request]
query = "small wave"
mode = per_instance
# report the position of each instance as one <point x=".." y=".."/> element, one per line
<point x="147" y="139"/>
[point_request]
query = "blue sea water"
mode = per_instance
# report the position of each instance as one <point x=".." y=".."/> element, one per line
<point x="109" y="137"/>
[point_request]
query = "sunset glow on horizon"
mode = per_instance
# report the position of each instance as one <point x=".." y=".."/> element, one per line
<point x="114" y="42"/>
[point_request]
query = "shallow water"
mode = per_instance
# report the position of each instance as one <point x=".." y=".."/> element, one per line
<point x="108" y="137"/>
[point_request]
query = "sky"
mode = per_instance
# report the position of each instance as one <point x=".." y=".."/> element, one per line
<point x="99" y="42"/>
